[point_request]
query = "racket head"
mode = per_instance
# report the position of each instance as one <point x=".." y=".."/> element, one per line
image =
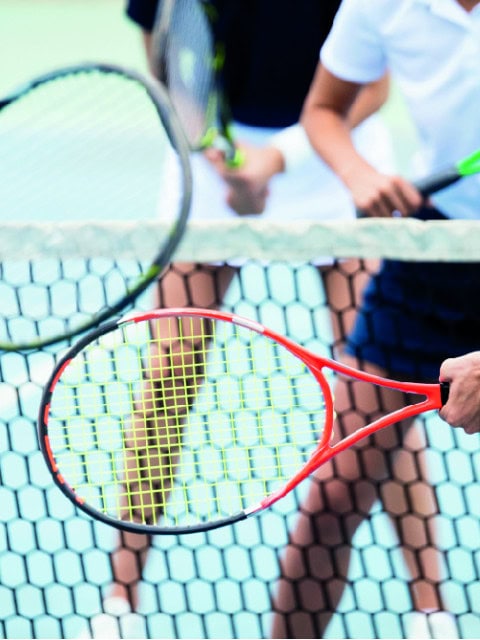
<point x="181" y="420"/>
<point x="85" y="143"/>
<point x="188" y="58"/>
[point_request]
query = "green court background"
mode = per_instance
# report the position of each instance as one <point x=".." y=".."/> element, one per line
<point x="38" y="35"/>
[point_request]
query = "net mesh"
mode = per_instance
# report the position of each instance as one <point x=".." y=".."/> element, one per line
<point x="414" y="523"/>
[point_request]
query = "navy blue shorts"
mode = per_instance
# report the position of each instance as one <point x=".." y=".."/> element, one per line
<point x="416" y="314"/>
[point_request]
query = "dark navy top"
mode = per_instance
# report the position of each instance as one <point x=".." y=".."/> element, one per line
<point x="272" y="49"/>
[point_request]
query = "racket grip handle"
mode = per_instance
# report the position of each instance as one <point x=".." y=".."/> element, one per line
<point x="437" y="181"/>
<point x="234" y="158"/>
<point x="431" y="184"/>
<point x="444" y="392"/>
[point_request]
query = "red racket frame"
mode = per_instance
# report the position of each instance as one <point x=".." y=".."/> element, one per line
<point x="435" y="397"/>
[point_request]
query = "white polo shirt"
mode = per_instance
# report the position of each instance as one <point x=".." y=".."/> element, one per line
<point x="432" y="49"/>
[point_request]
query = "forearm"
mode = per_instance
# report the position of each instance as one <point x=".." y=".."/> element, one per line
<point x="327" y="117"/>
<point x="147" y="43"/>
<point x="369" y="100"/>
<point x="330" y="136"/>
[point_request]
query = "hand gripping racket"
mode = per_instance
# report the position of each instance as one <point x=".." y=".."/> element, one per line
<point x="185" y="420"/>
<point x="468" y="166"/>
<point x="91" y="142"/>
<point x="188" y="58"/>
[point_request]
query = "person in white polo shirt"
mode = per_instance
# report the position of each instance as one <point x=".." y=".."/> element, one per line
<point x="414" y="316"/>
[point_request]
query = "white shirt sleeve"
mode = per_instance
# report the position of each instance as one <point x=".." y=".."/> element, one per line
<point x="353" y="50"/>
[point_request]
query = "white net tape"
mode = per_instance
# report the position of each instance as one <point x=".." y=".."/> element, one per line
<point x="257" y="238"/>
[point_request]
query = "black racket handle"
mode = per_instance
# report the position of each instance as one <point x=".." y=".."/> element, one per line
<point x="437" y="181"/>
<point x="444" y="392"/>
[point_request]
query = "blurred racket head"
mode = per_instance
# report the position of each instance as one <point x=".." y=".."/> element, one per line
<point x="176" y="421"/>
<point x="187" y="56"/>
<point x="91" y="142"/>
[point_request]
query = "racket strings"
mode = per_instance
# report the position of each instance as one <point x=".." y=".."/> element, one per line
<point x="186" y="422"/>
<point x="72" y="134"/>
<point x="172" y="374"/>
<point x="86" y="145"/>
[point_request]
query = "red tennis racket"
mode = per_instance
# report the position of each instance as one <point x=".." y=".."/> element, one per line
<point x="185" y="420"/>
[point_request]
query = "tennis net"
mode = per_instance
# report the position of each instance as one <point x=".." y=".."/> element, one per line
<point x="55" y="563"/>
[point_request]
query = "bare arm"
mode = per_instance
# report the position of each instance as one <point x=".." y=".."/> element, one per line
<point x="147" y="43"/>
<point x="369" y="99"/>
<point x="329" y="113"/>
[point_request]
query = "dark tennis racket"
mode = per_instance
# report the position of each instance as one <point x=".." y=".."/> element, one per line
<point x="188" y="58"/>
<point x="86" y="143"/>
<point x="438" y="181"/>
<point x="185" y="420"/>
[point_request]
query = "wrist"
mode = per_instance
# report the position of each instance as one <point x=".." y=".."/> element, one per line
<point x="276" y="161"/>
<point x="293" y="145"/>
<point x="349" y="170"/>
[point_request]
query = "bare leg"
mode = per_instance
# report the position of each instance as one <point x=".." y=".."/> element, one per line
<point x="183" y="285"/>
<point x="344" y="284"/>
<point x="316" y="562"/>
<point x="411" y="503"/>
<point x="341" y="494"/>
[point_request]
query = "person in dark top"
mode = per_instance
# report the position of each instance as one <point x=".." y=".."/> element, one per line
<point x="271" y="52"/>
